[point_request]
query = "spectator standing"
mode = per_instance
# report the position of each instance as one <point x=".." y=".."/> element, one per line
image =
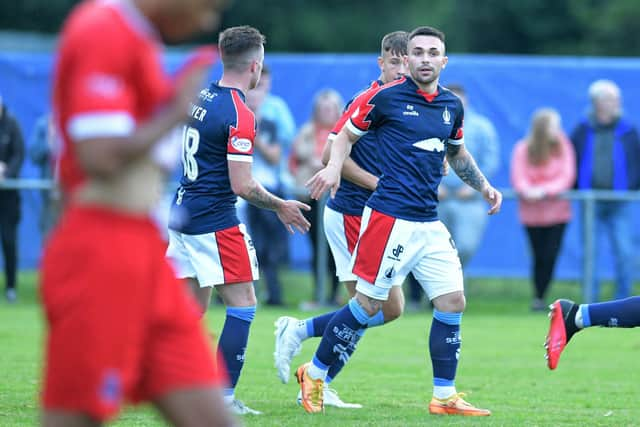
<point x="305" y="160"/>
<point x="269" y="236"/>
<point x="461" y="208"/>
<point x="275" y="109"/>
<point x="542" y="167"/>
<point x="40" y="152"/>
<point x="607" y="150"/>
<point x="11" y="158"/>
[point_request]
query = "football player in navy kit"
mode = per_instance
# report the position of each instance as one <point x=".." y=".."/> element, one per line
<point x="342" y="217"/>
<point x="207" y="243"/>
<point x="417" y="123"/>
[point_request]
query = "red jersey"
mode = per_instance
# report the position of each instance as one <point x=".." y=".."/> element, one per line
<point x="108" y="78"/>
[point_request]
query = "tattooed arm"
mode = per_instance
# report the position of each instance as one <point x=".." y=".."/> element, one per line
<point x="465" y="167"/>
<point x="288" y="211"/>
<point x="254" y="193"/>
<point x="461" y="161"/>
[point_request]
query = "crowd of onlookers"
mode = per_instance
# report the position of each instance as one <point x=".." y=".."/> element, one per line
<point x="602" y="152"/>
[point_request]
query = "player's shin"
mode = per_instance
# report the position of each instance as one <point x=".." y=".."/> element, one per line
<point x="444" y="347"/>
<point x="233" y="343"/>
<point x="339" y="340"/>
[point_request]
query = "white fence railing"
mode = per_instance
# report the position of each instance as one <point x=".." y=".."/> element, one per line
<point x="588" y="198"/>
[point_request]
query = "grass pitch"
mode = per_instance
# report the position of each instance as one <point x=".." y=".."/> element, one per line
<point x="501" y="367"/>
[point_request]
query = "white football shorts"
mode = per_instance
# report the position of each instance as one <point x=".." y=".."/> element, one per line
<point x="389" y="248"/>
<point x="342" y="233"/>
<point x="225" y="256"/>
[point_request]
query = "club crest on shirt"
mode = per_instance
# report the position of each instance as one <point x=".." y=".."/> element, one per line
<point x="446" y="116"/>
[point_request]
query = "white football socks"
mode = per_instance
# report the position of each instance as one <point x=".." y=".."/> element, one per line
<point x="578" y="318"/>
<point x="316" y="372"/>
<point x="443" y="392"/>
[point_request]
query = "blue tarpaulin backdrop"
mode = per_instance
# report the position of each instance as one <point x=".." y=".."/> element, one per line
<point x="507" y="89"/>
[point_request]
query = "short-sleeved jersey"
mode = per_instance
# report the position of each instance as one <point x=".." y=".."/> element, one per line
<point x="351" y="198"/>
<point x="221" y="128"/>
<point x="108" y="78"/>
<point x="413" y="129"/>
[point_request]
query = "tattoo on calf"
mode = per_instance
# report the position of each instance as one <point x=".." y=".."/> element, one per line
<point x="374" y="304"/>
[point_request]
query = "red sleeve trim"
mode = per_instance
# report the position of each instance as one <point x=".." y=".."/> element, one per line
<point x="241" y="135"/>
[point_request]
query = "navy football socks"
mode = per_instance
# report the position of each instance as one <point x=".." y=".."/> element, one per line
<point x="444" y="347"/>
<point x="622" y="313"/>
<point x="341" y="335"/>
<point x="233" y="341"/>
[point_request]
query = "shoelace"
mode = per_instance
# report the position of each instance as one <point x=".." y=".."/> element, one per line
<point x="455" y="397"/>
<point x="316" y="392"/>
<point x="329" y="390"/>
<point x="458" y="397"/>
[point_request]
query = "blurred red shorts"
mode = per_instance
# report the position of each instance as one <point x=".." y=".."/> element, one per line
<point x="121" y="327"/>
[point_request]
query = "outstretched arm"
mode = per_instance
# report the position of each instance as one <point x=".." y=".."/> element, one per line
<point x="466" y="168"/>
<point x="350" y="170"/>
<point x="288" y="211"/>
<point x="329" y="177"/>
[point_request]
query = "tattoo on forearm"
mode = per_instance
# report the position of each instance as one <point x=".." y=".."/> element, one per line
<point x="465" y="167"/>
<point x="260" y="197"/>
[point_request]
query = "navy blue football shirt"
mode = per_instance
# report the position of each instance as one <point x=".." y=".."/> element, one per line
<point x="221" y="128"/>
<point x="412" y="129"/>
<point x="351" y="198"/>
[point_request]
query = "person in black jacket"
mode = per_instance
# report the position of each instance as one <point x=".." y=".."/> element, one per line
<point x="607" y="147"/>
<point x="11" y="157"/>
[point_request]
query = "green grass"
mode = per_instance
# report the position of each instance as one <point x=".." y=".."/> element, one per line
<point x="501" y="367"/>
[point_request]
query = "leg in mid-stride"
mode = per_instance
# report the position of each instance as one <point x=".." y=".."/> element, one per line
<point x="342" y="232"/>
<point x="436" y="266"/>
<point x="226" y="261"/>
<point x="567" y="318"/>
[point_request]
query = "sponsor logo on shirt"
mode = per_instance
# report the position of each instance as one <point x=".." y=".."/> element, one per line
<point x="431" y="144"/>
<point x="104" y="85"/>
<point x="410" y="111"/>
<point x="241" y="144"/>
<point x="206" y="95"/>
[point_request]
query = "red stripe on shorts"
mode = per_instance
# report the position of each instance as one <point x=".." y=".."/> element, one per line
<point x="372" y="245"/>
<point x="234" y="256"/>
<point x="351" y="230"/>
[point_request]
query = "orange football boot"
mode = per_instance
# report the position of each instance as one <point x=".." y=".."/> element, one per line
<point x="456" y="405"/>
<point x="312" y="390"/>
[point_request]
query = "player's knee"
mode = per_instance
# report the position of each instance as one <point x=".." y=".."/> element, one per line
<point x="392" y="310"/>
<point x="351" y="287"/>
<point x="454" y="302"/>
<point x="370" y="305"/>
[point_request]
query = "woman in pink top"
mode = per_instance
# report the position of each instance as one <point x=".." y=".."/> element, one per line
<point x="304" y="161"/>
<point x="543" y="167"/>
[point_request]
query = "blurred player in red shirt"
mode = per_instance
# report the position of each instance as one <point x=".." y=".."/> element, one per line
<point x="120" y="326"/>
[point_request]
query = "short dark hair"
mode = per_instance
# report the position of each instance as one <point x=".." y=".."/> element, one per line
<point x="427" y="31"/>
<point x="395" y="42"/>
<point x="236" y="43"/>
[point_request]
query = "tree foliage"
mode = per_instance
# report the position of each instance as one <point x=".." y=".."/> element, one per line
<point x="574" y="27"/>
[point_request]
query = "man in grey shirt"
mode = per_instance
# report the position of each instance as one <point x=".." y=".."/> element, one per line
<point x="461" y="208"/>
<point x="608" y="154"/>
